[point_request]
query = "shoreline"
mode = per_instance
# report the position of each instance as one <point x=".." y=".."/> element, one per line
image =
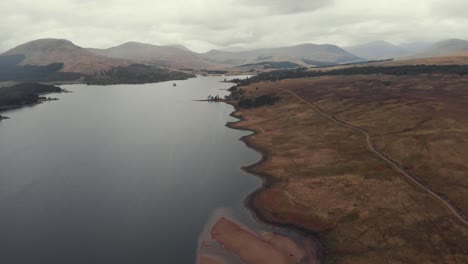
<point x="12" y="107"/>
<point x="233" y="242"/>
<point x="40" y="101"/>
<point x="326" y="180"/>
<point x="267" y="182"/>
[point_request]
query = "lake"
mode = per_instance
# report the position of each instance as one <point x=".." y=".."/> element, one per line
<point x="119" y="174"/>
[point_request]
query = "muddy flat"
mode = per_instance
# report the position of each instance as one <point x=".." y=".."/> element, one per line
<point x="263" y="248"/>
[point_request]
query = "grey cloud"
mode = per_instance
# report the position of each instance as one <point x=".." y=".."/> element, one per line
<point x="206" y="24"/>
<point x="450" y="9"/>
<point x="288" y="6"/>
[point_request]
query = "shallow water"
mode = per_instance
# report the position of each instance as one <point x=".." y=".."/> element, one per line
<point x="119" y="174"/>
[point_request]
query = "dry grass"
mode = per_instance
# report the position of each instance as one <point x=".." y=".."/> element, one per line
<point x="327" y="181"/>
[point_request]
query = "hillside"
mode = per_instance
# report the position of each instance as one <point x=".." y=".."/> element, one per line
<point x="323" y="176"/>
<point x="11" y="71"/>
<point x="167" y="56"/>
<point x="378" y="50"/>
<point x="295" y="54"/>
<point x="456" y="59"/>
<point x="272" y="65"/>
<point x="445" y="48"/>
<point x="136" y="74"/>
<point x="24" y="94"/>
<point x="73" y="57"/>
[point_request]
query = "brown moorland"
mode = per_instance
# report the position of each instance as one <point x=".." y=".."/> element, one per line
<point x="324" y="178"/>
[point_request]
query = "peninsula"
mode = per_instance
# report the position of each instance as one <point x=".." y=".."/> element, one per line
<point x="25" y="94"/>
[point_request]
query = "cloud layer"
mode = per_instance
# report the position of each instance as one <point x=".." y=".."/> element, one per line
<point x="206" y="24"/>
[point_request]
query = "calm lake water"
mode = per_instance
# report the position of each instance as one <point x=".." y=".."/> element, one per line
<point x="119" y="174"/>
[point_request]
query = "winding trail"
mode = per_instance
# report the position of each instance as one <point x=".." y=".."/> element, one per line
<point x="394" y="165"/>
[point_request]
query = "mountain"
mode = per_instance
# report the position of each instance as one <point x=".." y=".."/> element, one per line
<point x="74" y="58"/>
<point x="11" y="71"/>
<point x="182" y="47"/>
<point x="416" y="47"/>
<point x="445" y="48"/>
<point x="294" y="54"/>
<point x="168" y="56"/>
<point x="378" y="50"/>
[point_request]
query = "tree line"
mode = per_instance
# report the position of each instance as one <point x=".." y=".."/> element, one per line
<point x="368" y="70"/>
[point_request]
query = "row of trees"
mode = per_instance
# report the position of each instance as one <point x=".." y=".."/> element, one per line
<point x="24" y="94"/>
<point x="136" y="74"/>
<point x="258" y="101"/>
<point x="213" y="98"/>
<point x="387" y="70"/>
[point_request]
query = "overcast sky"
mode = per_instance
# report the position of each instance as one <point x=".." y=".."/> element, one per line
<point x="202" y="25"/>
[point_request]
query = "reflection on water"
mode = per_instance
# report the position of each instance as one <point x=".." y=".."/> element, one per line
<point x="119" y="174"/>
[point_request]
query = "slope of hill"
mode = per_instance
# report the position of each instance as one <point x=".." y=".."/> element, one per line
<point x="136" y="74"/>
<point x="415" y="47"/>
<point x="24" y="94"/>
<point x="182" y="47"/>
<point x="11" y="71"/>
<point x="296" y="54"/>
<point x="167" y="56"/>
<point x="445" y="48"/>
<point x="457" y="59"/>
<point x="272" y="65"/>
<point x="74" y="58"/>
<point x="377" y="50"/>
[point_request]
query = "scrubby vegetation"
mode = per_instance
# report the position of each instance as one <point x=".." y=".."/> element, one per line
<point x="274" y="65"/>
<point x="319" y="63"/>
<point x="324" y="64"/>
<point x="386" y="70"/>
<point x="258" y="101"/>
<point x="325" y="179"/>
<point x="24" y="94"/>
<point x="11" y="71"/>
<point x="136" y="74"/>
<point x="213" y="72"/>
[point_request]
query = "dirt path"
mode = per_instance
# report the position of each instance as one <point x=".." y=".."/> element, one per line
<point x="394" y="165"/>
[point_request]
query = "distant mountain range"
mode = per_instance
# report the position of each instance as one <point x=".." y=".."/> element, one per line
<point x="385" y="50"/>
<point x="378" y="50"/>
<point x="88" y="61"/>
<point x="295" y="54"/>
<point x="167" y="56"/>
<point x="91" y="60"/>
<point x="445" y="48"/>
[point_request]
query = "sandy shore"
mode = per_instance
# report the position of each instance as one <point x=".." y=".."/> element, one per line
<point x="256" y="248"/>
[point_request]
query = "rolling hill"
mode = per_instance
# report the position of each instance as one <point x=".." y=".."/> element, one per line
<point x="74" y="58"/>
<point x="168" y="56"/>
<point x="294" y="54"/>
<point x="445" y="48"/>
<point x="378" y="50"/>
